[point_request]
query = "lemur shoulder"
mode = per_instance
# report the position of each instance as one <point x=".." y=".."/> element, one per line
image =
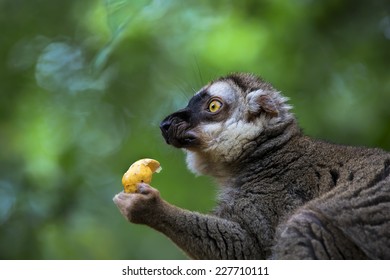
<point x="282" y="195"/>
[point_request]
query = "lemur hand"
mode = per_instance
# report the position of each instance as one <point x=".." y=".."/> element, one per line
<point x="141" y="207"/>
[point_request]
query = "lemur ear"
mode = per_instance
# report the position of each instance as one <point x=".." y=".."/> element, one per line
<point x="261" y="100"/>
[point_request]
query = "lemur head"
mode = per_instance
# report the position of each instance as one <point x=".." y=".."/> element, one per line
<point x="224" y="119"/>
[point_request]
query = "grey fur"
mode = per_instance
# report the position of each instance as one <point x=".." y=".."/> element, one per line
<point x="282" y="194"/>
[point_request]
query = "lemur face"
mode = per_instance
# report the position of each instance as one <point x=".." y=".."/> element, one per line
<point x="210" y="106"/>
<point x="224" y="116"/>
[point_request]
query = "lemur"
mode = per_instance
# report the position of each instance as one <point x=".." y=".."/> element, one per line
<point x="282" y="194"/>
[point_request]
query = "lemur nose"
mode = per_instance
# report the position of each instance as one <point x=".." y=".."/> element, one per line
<point x="165" y="125"/>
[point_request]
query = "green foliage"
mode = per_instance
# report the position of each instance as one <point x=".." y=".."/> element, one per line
<point x="85" y="84"/>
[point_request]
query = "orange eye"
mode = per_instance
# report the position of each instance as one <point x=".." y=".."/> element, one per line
<point x="215" y="106"/>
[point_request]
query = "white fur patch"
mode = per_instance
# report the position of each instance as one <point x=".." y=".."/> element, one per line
<point x="223" y="90"/>
<point x="224" y="143"/>
<point x="228" y="141"/>
<point x="196" y="163"/>
<point x="279" y="100"/>
<point x="253" y="105"/>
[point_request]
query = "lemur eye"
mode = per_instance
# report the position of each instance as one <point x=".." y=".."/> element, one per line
<point x="214" y="106"/>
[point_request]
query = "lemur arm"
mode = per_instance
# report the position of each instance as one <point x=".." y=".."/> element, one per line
<point x="198" y="235"/>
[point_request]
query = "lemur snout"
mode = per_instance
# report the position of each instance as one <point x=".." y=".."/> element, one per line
<point x="176" y="129"/>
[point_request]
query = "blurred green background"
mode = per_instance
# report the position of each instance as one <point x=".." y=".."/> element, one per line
<point x="84" y="85"/>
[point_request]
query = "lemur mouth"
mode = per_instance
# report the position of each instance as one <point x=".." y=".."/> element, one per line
<point x="188" y="141"/>
<point x="185" y="140"/>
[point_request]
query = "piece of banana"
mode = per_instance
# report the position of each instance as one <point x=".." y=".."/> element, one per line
<point x="140" y="171"/>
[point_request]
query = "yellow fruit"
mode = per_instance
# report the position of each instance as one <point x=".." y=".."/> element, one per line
<point x="140" y="171"/>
